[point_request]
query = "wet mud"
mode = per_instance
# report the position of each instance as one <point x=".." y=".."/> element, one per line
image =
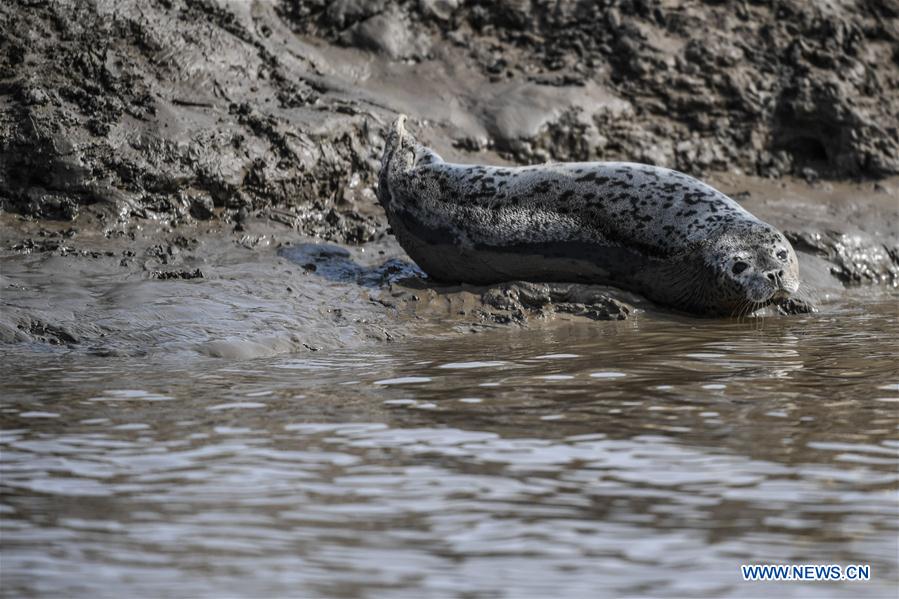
<point x="201" y="175"/>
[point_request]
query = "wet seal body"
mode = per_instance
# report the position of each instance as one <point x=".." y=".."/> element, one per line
<point x="652" y="230"/>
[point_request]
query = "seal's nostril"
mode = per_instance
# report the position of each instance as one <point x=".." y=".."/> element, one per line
<point x="772" y="276"/>
<point x="780" y="274"/>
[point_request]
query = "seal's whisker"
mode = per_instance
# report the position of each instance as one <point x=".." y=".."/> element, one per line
<point x="751" y="307"/>
<point x="738" y="310"/>
<point x="744" y="309"/>
<point x="760" y="320"/>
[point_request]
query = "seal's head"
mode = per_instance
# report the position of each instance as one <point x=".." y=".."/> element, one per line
<point x="754" y="265"/>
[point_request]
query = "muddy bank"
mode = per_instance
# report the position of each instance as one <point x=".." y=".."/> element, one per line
<point x="199" y="176"/>
<point x="769" y="89"/>
<point x="187" y="111"/>
<point x="260" y="292"/>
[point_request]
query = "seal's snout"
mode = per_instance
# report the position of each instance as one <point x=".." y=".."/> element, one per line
<point x="771" y="285"/>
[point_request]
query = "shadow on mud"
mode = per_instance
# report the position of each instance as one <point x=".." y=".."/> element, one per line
<point x="337" y="264"/>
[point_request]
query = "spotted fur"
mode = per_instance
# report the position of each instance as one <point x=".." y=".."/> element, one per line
<point x="640" y="227"/>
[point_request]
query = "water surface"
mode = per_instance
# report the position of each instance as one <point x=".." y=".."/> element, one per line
<point x="642" y="458"/>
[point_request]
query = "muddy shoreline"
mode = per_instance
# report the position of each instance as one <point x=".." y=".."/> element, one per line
<point x="224" y="155"/>
<point x="210" y="289"/>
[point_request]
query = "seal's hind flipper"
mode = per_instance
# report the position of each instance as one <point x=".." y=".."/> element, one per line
<point x="397" y="137"/>
<point x="402" y="153"/>
<point x="392" y="159"/>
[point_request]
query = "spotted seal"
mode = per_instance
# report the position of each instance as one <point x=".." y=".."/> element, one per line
<point x="656" y="231"/>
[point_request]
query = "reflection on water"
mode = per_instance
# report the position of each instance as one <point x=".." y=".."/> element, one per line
<point x="638" y="458"/>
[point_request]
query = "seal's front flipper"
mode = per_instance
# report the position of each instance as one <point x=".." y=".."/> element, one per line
<point x="792" y="306"/>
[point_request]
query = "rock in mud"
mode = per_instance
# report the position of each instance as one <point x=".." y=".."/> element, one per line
<point x="521" y="299"/>
<point x="855" y="258"/>
<point x="166" y="275"/>
<point x="506" y="303"/>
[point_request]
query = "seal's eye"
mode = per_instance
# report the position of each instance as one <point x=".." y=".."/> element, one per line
<point x="782" y="255"/>
<point x="739" y="267"/>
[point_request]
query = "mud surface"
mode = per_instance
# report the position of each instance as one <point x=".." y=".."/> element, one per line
<point x="207" y="157"/>
<point x="213" y="109"/>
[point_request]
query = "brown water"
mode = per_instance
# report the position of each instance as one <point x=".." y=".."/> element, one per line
<point x="642" y="458"/>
